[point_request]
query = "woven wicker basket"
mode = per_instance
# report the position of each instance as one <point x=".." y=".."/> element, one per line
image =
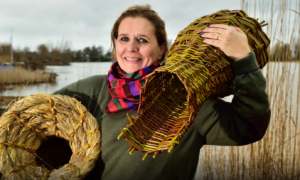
<point x="193" y="73"/>
<point x="33" y="119"/>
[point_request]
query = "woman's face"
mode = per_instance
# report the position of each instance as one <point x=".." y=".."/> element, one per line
<point x="136" y="45"/>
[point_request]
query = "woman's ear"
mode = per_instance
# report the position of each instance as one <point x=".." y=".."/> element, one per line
<point x="163" y="49"/>
<point x="162" y="55"/>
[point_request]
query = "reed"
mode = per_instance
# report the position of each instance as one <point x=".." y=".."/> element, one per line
<point x="276" y="156"/>
<point x="21" y="75"/>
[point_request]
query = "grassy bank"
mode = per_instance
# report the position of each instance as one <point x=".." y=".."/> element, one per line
<point x="5" y="100"/>
<point x="4" y="58"/>
<point x="23" y="76"/>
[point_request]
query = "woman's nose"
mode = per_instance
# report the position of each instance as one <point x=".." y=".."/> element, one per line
<point x="132" y="46"/>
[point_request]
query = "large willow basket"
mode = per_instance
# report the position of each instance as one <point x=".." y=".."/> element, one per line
<point x="33" y="119"/>
<point x="193" y="73"/>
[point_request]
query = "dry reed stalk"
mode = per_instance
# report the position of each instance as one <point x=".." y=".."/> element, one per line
<point x="33" y="119"/>
<point x="21" y="75"/>
<point x="194" y="72"/>
<point x="276" y="156"/>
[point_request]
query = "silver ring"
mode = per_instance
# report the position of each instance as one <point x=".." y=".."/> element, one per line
<point x="218" y="36"/>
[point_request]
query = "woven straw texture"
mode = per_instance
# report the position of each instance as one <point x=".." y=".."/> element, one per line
<point x="33" y="119"/>
<point x="193" y="73"/>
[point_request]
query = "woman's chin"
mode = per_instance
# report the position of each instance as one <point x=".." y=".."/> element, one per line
<point x="133" y="62"/>
<point x="132" y="66"/>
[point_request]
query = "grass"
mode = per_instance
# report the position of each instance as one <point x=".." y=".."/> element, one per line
<point x="20" y="76"/>
<point x="277" y="155"/>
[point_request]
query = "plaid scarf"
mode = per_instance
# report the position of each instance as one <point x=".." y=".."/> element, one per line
<point x="125" y="88"/>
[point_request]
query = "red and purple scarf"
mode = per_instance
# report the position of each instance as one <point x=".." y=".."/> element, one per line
<point x="125" y="88"/>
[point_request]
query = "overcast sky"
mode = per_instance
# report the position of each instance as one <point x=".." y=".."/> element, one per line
<point x="89" y="22"/>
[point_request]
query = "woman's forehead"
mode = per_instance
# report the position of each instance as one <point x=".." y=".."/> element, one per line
<point x="136" y="25"/>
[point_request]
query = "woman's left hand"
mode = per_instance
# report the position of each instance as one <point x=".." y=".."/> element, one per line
<point x="231" y="40"/>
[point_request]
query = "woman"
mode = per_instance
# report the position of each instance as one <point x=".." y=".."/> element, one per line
<point x="139" y="44"/>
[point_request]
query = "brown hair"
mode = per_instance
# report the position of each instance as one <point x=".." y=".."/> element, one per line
<point x="146" y="12"/>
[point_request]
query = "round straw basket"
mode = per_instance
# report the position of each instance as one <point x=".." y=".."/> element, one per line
<point x="194" y="72"/>
<point x="34" y="119"/>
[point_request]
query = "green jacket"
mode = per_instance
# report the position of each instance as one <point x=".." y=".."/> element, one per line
<point x="241" y="122"/>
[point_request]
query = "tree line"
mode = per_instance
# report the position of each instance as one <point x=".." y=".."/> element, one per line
<point x="46" y="54"/>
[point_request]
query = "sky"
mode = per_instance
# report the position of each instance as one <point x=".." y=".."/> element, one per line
<point x="86" y="23"/>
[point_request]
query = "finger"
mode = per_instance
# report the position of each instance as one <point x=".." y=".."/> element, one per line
<point x="212" y="35"/>
<point x="221" y="26"/>
<point x="212" y="42"/>
<point x="214" y="30"/>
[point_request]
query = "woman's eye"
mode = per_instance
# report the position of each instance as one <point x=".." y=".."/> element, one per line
<point x="124" y="39"/>
<point x="142" y="40"/>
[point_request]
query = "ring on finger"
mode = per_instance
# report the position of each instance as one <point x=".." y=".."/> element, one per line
<point x="218" y="36"/>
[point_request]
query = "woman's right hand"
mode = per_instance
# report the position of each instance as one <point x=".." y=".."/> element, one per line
<point x="231" y="40"/>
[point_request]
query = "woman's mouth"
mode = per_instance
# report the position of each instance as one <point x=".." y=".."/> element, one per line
<point x="132" y="60"/>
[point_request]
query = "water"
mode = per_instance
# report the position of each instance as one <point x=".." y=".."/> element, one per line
<point x="66" y="75"/>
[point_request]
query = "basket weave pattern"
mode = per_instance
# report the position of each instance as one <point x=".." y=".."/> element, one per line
<point x="31" y="120"/>
<point x="194" y="72"/>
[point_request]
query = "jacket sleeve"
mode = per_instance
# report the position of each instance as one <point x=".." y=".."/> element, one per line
<point x="246" y="118"/>
<point x="87" y="92"/>
<point x="75" y="90"/>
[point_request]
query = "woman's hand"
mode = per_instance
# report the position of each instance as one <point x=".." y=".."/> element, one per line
<point x="231" y="40"/>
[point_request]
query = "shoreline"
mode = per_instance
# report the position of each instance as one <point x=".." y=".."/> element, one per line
<point x="10" y="83"/>
<point x="5" y="100"/>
